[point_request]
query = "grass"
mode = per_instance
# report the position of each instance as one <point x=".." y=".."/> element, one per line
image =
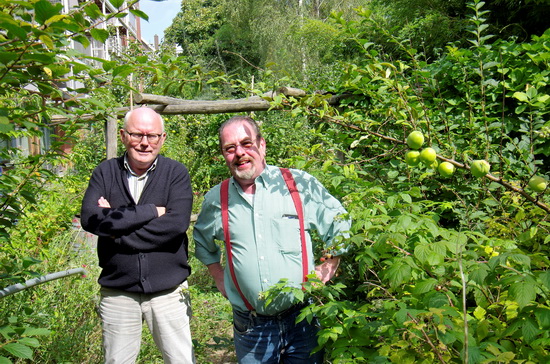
<point x="68" y="306"/>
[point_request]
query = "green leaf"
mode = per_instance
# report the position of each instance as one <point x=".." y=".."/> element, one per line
<point x="521" y="96"/>
<point x="435" y="258"/>
<point x="122" y="71"/>
<point x="30" y="261"/>
<point x="7" y="57"/>
<point x="82" y="40"/>
<point x="403" y="222"/>
<point x="520" y="259"/>
<point x="18" y="350"/>
<point x="92" y="11"/>
<point x="299" y="295"/>
<point x="520" y="108"/>
<point x="44" y="10"/>
<point x="422" y="252"/>
<point x="479" y="313"/>
<point x="424" y="286"/>
<point x="529" y="330"/>
<point x="532" y="92"/>
<point x="523" y="292"/>
<point x="15" y="31"/>
<point x="57" y="19"/>
<point x="545" y="278"/>
<point x="4" y="360"/>
<point x="543" y="317"/>
<point x="398" y="273"/>
<point x="391" y="201"/>
<point x="37" y="331"/>
<point x="48" y="42"/>
<point x="474" y="354"/>
<point x="45" y="58"/>
<point x="5" y="125"/>
<point x="482" y="330"/>
<point x="30" y="341"/>
<point x="117" y="3"/>
<point x="478" y="273"/>
<point x="139" y="14"/>
<point x="6" y="331"/>
<point x="101" y="35"/>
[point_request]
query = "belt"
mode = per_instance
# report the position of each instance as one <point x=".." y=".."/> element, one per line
<point x="283" y="314"/>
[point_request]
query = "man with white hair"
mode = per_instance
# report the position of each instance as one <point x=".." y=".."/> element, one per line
<point x="139" y="206"/>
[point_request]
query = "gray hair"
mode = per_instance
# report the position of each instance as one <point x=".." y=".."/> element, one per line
<point x="238" y="119"/>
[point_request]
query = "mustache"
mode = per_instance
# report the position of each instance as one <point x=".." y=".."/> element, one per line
<point x="242" y="160"/>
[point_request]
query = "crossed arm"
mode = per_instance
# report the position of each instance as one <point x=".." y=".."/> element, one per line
<point x="162" y="219"/>
<point x="102" y="202"/>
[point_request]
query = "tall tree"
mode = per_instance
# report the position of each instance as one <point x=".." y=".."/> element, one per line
<point x="194" y="27"/>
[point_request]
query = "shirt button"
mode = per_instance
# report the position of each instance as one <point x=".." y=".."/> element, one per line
<point x="265" y="280"/>
<point x="262" y="257"/>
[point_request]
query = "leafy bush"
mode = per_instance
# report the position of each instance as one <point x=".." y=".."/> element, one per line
<point x="440" y="269"/>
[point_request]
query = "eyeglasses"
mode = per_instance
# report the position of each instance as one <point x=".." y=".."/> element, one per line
<point x="232" y="148"/>
<point x="138" y="137"/>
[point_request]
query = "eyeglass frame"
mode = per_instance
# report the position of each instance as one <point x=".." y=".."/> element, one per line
<point x="247" y="144"/>
<point x="134" y="136"/>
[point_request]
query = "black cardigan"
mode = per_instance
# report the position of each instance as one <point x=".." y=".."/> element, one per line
<point x="139" y="251"/>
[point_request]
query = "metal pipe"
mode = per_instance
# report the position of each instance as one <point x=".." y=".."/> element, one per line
<point x="39" y="280"/>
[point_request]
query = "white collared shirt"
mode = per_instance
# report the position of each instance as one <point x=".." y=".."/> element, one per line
<point x="137" y="183"/>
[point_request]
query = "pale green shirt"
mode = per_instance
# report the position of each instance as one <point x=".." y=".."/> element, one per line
<point x="265" y="234"/>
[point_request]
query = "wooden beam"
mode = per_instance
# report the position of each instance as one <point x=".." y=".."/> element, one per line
<point x="167" y="100"/>
<point x="111" y="137"/>
<point x="166" y="105"/>
<point x="178" y="106"/>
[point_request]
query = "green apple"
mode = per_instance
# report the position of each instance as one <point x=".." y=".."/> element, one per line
<point x="480" y="168"/>
<point x="446" y="169"/>
<point x="412" y="157"/>
<point x="537" y="183"/>
<point x="415" y="139"/>
<point x="427" y="156"/>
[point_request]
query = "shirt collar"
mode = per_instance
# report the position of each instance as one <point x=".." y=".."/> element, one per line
<point x="263" y="179"/>
<point x="266" y="176"/>
<point x="129" y="169"/>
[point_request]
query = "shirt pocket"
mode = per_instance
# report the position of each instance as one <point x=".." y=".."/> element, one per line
<point x="286" y="234"/>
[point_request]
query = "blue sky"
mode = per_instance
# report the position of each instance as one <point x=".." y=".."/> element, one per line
<point x="160" y="15"/>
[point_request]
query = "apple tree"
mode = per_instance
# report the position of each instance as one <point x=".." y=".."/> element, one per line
<point x="449" y="267"/>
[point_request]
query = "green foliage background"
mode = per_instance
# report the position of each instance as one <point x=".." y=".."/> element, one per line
<point x="440" y="270"/>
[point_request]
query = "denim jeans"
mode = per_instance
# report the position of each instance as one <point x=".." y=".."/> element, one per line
<point x="167" y="314"/>
<point x="275" y="339"/>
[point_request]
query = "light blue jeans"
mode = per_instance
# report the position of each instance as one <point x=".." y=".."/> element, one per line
<point x="275" y="339"/>
<point x="167" y="314"/>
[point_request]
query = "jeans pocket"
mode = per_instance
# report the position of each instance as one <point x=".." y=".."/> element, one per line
<point x="242" y="323"/>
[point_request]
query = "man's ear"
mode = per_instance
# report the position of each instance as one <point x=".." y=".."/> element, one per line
<point x="263" y="145"/>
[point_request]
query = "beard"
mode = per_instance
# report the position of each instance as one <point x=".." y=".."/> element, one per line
<point x="246" y="174"/>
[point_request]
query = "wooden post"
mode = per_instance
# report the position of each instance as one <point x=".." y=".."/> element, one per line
<point x="111" y="137"/>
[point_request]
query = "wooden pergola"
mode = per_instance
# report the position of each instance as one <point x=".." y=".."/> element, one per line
<point x="165" y="105"/>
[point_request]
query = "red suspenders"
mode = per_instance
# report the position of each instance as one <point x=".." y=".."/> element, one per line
<point x="224" y="198"/>
<point x="291" y="185"/>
